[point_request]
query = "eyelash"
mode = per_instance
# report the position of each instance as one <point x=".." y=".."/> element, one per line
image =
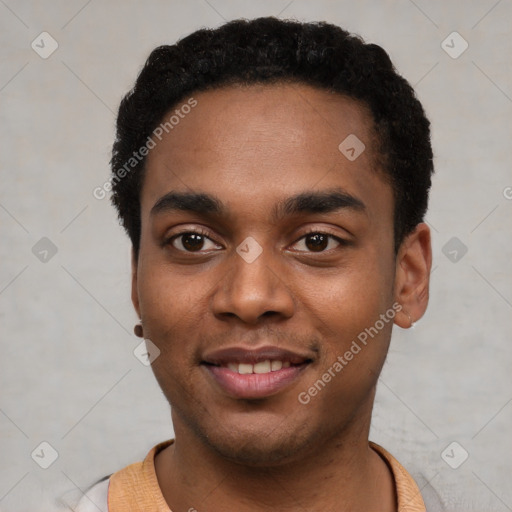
<point x="205" y="234"/>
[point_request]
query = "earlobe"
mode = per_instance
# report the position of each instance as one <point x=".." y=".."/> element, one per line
<point x="412" y="277"/>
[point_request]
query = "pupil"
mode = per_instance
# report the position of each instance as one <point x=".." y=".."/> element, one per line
<point x="193" y="241"/>
<point x="318" y="242"/>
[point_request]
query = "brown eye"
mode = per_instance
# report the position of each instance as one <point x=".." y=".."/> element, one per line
<point x="318" y="242"/>
<point x="191" y="242"/>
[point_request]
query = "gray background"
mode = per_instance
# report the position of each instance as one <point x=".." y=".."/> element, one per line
<point x="68" y="375"/>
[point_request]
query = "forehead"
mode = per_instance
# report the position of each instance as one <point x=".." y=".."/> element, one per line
<point x="246" y="119"/>
<point x="257" y="143"/>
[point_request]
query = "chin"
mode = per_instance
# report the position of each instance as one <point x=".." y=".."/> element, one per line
<point x="263" y="448"/>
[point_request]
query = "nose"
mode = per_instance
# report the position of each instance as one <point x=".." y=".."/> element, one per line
<point x="253" y="290"/>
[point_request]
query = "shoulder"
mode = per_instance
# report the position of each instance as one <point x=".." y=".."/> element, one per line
<point x="414" y="493"/>
<point x="96" y="498"/>
<point x="128" y="488"/>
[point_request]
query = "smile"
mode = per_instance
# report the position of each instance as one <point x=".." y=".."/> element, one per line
<point x="258" y="373"/>
<point x="266" y="366"/>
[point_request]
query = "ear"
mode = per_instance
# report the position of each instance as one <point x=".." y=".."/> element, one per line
<point x="412" y="276"/>
<point x="135" y="293"/>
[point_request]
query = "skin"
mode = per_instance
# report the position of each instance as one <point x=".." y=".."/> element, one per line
<point x="252" y="147"/>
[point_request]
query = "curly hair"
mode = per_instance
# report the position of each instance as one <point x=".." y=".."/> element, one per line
<point x="270" y="50"/>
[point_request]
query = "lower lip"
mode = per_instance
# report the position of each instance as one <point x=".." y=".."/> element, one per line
<point x="254" y="385"/>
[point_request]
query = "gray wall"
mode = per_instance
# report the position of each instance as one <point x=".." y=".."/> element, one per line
<point x="68" y="375"/>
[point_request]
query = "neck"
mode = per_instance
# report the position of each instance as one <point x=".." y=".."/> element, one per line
<point x="342" y="474"/>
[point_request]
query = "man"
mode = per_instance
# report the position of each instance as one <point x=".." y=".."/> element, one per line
<point x="273" y="177"/>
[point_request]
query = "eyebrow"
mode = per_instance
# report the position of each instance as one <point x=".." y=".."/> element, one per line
<point x="207" y="205"/>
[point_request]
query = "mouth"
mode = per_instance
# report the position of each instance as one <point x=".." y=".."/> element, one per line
<point x="250" y="374"/>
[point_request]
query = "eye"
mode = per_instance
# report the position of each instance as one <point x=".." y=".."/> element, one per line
<point x="316" y="241"/>
<point x="198" y="241"/>
<point x="192" y="241"/>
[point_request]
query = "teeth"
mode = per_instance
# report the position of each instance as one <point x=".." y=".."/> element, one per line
<point x="262" y="367"/>
<point x="266" y="366"/>
<point x="244" y="369"/>
<point x="276" y="365"/>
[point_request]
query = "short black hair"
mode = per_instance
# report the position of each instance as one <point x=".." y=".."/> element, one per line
<point x="267" y="51"/>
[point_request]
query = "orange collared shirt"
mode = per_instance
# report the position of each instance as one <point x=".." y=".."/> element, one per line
<point x="136" y="488"/>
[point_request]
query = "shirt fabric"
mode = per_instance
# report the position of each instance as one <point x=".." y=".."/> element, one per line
<point x="135" y="488"/>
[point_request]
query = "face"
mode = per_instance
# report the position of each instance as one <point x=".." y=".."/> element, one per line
<point x="265" y="252"/>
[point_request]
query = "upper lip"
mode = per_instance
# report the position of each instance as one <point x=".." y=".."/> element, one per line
<point x="240" y="354"/>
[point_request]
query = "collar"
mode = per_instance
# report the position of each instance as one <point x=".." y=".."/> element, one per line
<point x="136" y="488"/>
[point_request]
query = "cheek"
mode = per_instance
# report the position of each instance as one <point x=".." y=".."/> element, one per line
<point x="350" y="311"/>
<point x="165" y="296"/>
<point x="170" y="309"/>
<point x="349" y="301"/>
